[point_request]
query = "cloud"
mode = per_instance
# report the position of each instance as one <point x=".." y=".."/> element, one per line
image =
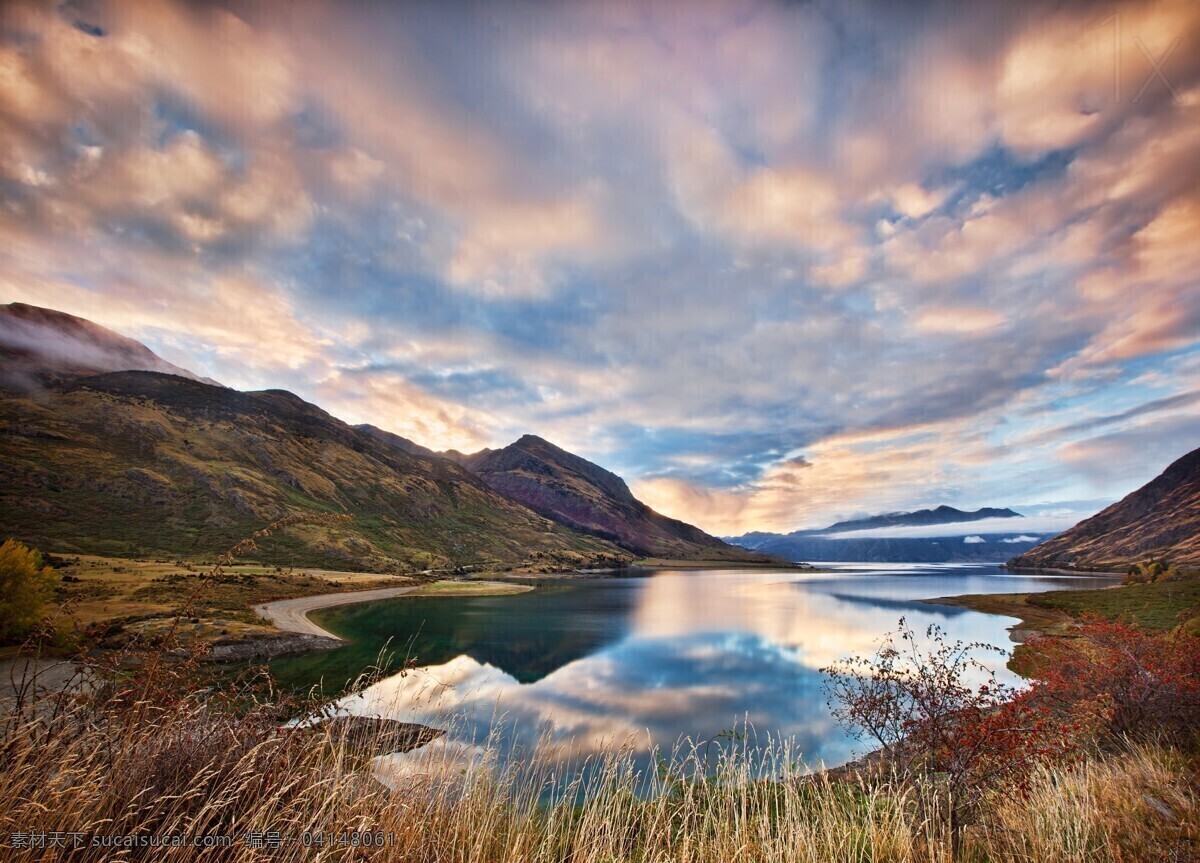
<point x="973" y="540"/>
<point x="915" y="202"/>
<point x="936" y="255"/>
<point x="1042" y="524"/>
<point x="1111" y="461"/>
<point x="503" y="258"/>
<point x="957" y="320"/>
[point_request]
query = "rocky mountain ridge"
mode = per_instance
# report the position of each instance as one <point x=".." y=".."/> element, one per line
<point x="585" y="497"/>
<point x="918" y="518"/>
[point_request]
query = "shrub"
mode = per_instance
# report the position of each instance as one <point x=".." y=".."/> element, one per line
<point x="1151" y="571"/>
<point x="25" y="588"/>
<point x="918" y="703"/>
<point x="1131" y="681"/>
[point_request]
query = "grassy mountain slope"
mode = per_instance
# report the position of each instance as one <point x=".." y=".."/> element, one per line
<point x="144" y="463"/>
<point x="1159" y="520"/>
<point x="395" y="440"/>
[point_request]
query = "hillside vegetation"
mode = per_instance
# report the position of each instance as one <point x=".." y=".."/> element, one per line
<point x="146" y="464"/>
<point x="1159" y="605"/>
<point x="585" y="497"/>
<point x="1159" y="520"/>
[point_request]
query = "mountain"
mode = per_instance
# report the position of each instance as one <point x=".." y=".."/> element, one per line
<point x="981" y="548"/>
<point x="1160" y="520"/>
<point x="921" y="517"/>
<point x="832" y="544"/>
<point x="585" y="497"/>
<point x="752" y="540"/>
<point x="107" y="448"/>
<point x="144" y="463"/>
<point x="39" y="346"/>
<point x="395" y="440"/>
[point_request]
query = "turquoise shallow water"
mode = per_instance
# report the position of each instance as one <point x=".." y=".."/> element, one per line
<point x="650" y="657"/>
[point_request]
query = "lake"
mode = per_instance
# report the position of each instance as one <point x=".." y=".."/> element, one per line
<point x="650" y="657"/>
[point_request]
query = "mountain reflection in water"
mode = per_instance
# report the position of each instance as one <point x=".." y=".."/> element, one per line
<point x="585" y="666"/>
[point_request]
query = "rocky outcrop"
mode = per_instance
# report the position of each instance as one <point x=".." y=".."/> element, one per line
<point x="269" y="646"/>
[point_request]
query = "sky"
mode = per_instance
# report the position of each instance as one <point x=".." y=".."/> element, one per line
<point x="776" y="264"/>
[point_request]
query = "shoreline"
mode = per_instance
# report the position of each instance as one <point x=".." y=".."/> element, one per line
<point x="671" y="563"/>
<point x="1055" y="570"/>
<point x="299" y="634"/>
<point x="291" y="615"/>
<point x="1031" y="620"/>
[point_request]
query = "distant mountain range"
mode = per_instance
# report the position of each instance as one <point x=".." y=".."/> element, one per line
<point x="1160" y="520"/>
<point x="832" y="544"/>
<point x="98" y="458"/>
<point x="969" y="548"/>
<point x="918" y="518"/>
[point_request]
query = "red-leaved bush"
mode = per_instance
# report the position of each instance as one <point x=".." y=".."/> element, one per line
<point x="1111" y="680"/>
<point x="1127" y="681"/>
<point x="915" y="697"/>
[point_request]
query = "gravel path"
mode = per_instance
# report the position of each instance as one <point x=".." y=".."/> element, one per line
<point x="291" y="615"/>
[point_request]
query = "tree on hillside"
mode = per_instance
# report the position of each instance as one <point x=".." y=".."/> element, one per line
<point x="25" y="588"/>
<point x="1151" y="571"/>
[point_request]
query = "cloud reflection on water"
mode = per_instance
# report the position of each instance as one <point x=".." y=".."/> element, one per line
<point x="705" y="652"/>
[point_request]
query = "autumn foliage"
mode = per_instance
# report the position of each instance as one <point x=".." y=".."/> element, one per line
<point x="1127" y="681"/>
<point x="936" y="710"/>
<point x="25" y="588"/>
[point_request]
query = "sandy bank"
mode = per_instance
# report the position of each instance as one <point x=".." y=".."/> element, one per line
<point x="291" y="615"/>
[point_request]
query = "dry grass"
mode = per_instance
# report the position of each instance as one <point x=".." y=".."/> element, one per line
<point x="135" y="760"/>
<point x="1142" y="805"/>
<point x="145" y="751"/>
<point x="113" y="599"/>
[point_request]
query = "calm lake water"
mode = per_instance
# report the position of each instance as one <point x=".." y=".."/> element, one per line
<point x="651" y="657"/>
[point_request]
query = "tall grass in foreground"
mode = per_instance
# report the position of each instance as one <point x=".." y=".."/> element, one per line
<point x="113" y="763"/>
